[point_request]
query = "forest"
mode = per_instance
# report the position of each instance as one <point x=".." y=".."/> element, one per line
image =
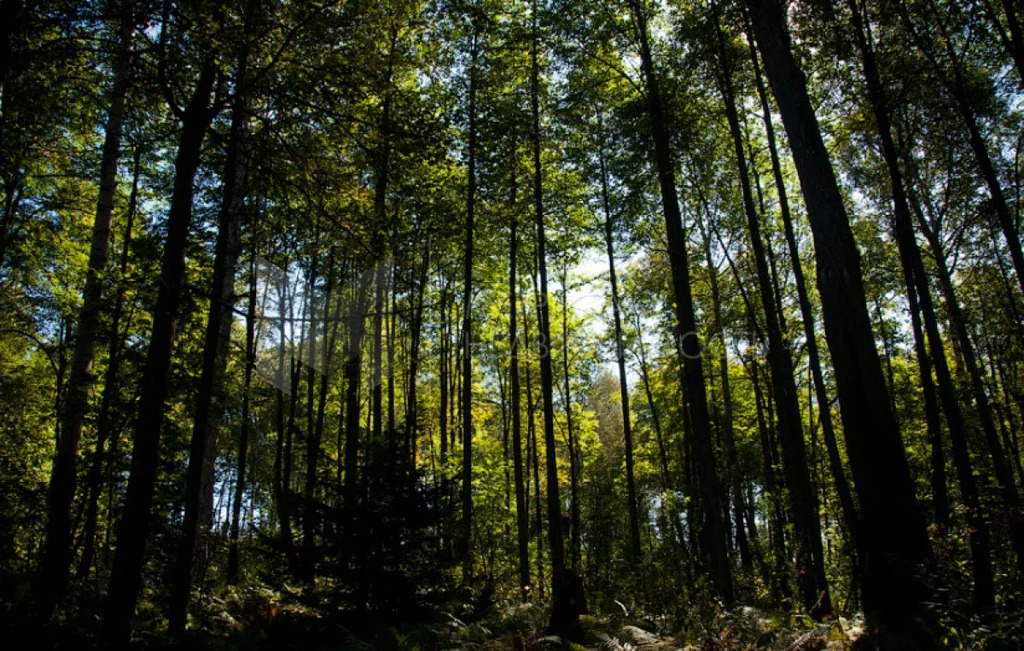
<point x="435" y="324"/>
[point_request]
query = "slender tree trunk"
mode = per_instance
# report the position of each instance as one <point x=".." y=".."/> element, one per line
<point x="111" y="387"/>
<point x="243" y="438"/>
<point x="467" y="327"/>
<point x="531" y="429"/>
<point x="574" y="504"/>
<point x="712" y="530"/>
<point x="57" y="552"/>
<point x="522" y="509"/>
<point x="412" y="407"/>
<point x="565" y="609"/>
<point x="126" y="574"/>
<point x="620" y="358"/>
<point x="728" y="433"/>
<point x="353" y="378"/>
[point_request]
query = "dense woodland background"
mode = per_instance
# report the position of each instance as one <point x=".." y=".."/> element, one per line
<point x="428" y="323"/>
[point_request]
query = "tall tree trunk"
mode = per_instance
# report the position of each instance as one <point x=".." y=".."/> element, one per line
<point x="895" y="540"/>
<point x="574" y="503"/>
<point x="565" y="609"/>
<point x="353" y="378"/>
<point x="531" y="430"/>
<point x="727" y="432"/>
<point x="919" y="295"/>
<point x="636" y="551"/>
<point x="209" y="396"/>
<point x="467" y="326"/>
<point x="712" y="534"/>
<point x="57" y="552"/>
<point x="243" y="438"/>
<point x="807" y="314"/>
<point x="126" y="574"/>
<point x="331" y="320"/>
<point x="111" y="386"/>
<point x="522" y="509"/>
<point x="412" y="407"/>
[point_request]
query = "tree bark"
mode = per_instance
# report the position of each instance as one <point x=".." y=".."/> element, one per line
<point x="243" y="438"/>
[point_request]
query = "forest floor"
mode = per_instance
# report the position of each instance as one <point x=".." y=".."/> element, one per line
<point x="259" y="619"/>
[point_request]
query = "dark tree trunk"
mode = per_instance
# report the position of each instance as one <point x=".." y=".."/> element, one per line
<point x="353" y="378"/>
<point x="565" y="609"/>
<point x="243" y="439"/>
<point x="712" y="529"/>
<point x="412" y="405"/>
<point x="807" y="316"/>
<point x="209" y="396"/>
<point x="126" y="574"/>
<point x="574" y="465"/>
<point x="895" y="539"/>
<point x="57" y="552"/>
<point x="111" y="386"/>
<point x="803" y="500"/>
<point x="620" y="358"/>
<point x="522" y="509"/>
<point x="531" y="430"/>
<point x="331" y="320"/>
<point x="467" y="326"/>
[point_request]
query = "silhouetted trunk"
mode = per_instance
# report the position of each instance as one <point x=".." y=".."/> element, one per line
<point x="728" y="435"/>
<point x="57" y="552"/>
<point x="714" y="548"/>
<point x="895" y="539"/>
<point x="382" y="163"/>
<point x="807" y="315"/>
<point x="331" y="320"/>
<point x="281" y="505"/>
<point x="620" y="358"/>
<point x="522" y="509"/>
<point x="443" y="375"/>
<point x="353" y="377"/>
<point x="126" y="574"/>
<point x="412" y="407"/>
<point x="574" y="465"/>
<point x="919" y="295"/>
<point x="243" y="438"/>
<point x="565" y="610"/>
<point x="111" y="386"/>
<point x="531" y="430"/>
<point x="467" y="326"/>
<point x="209" y="396"/>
